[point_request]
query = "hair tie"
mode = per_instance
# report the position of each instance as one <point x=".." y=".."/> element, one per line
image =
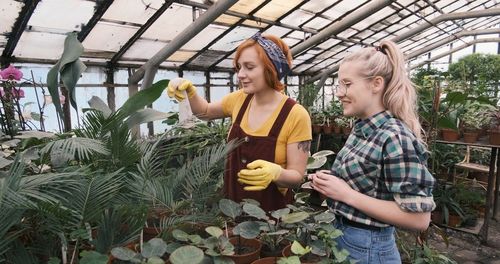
<point x="381" y="49"/>
<point x="275" y="54"/>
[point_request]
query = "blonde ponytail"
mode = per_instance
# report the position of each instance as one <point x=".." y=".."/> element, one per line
<point x="400" y="96"/>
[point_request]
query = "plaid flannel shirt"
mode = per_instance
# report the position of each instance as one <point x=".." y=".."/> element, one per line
<point x="383" y="159"/>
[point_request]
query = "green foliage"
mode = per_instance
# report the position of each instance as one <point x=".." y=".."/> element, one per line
<point x="151" y="252"/>
<point x="70" y="68"/>
<point x="308" y="94"/>
<point x="93" y="257"/>
<point x="478" y="74"/>
<point x="427" y="255"/>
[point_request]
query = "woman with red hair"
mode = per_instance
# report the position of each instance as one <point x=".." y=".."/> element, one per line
<point x="275" y="130"/>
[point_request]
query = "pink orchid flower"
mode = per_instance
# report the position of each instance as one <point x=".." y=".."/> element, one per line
<point x="18" y="93"/>
<point x="11" y="73"/>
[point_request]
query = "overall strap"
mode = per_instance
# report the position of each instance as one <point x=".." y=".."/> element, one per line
<point x="243" y="109"/>
<point x="280" y="120"/>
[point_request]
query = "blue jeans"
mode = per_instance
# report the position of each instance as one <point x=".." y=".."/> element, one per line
<point x="368" y="246"/>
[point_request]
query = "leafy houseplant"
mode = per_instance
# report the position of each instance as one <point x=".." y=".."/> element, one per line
<point x="495" y="126"/>
<point x="474" y="119"/>
<point x="151" y="252"/>
<point x="448" y="210"/>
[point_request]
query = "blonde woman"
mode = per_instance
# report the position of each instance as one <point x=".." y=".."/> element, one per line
<point x="275" y="129"/>
<point x="379" y="178"/>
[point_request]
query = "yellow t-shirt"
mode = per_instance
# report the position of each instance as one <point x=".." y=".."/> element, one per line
<point x="297" y="126"/>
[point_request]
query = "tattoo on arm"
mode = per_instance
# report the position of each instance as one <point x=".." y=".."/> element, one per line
<point x="304" y="145"/>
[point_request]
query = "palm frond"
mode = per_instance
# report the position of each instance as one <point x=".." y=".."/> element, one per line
<point x="77" y="147"/>
<point x="95" y="193"/>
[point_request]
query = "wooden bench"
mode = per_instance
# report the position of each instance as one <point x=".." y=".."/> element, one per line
<point x="470" y="166"/>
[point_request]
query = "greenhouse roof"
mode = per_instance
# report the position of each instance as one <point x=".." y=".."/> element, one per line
<point x="319" y="32"/>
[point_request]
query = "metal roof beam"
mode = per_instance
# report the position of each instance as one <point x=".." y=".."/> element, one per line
<point x="485" y="40"/>
<point x="447" y="17"/>
<point x="262" y="30"/>
<point x="452" y="38"/>
<point x="19" y="26"/>
<point x="141" y="31"/>
<point x="341" y="25"/>
<point x="188" y="33"/>
<point x="101" y="8"/>
<point x="411" y="32"/>
<point x="224" y="33"/>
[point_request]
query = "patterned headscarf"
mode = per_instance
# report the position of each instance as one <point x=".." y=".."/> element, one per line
<point x="275" y="54"/>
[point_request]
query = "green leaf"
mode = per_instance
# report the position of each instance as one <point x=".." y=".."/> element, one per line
<point x="53" y="87"/>
<point x="123" y="253"/>
<point x="280" y="213"/>
<point x="143" y="98"/>
<point x="325" y="217"/>
<point x="247" y="229"/>
<point x="146" y="115"/>
<point x="255" y="211"/>
<point x="155" y="260"/>
<point x="223" y="260"/>
<point x="295" y="217"/>
<point x="323" y="153"/>
<point x="214" y="231"/>
<point x="98" y="104"/>
<point x="69" y="76"/>
<point x="93" y="257"/>
<point x="298" y="249"/>
<point x="186" y="254"/>
<point x="316" y="163"/>
<point x="230" y="208"/>
<point x="180" y="235"/>
<point x="154" y="247"/>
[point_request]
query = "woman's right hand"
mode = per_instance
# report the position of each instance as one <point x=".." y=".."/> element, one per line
<point x="177" y="86"/>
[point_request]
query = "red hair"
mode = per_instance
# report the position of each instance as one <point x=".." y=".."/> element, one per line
<point x="270" y="74"/>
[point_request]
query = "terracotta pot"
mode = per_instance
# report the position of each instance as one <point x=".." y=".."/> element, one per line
<point x="494" y="137"/>
<point x="327" y="129"/>
<point x="437" y="217"/>
<point x="316" y="129"/>
<point x="268" y="260"/>
<point x="253" y="245"/>
<point x="450" y="134"/>
<point x="337" y="129"/>
<point x="307" y="259"/>
<point x="454" y="220"/>
<point x="265" y="252"/>
<point x="471" y="137"/>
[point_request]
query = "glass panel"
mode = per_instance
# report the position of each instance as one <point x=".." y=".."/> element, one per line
<point x="276" y="8"/>
<point x="316" y="6"/>
<point x="181" y="56"/>
<point x="66" y="19"/>
<point x="227" y="20"/>
<point x="170" y="24"/>
<point x="329" y="43"/>
<point x="204" y="37"/>
<point x="297" y="17"/>
<point x="246" y="6"/>
<point x="108" y="36"/>
<point x="277" y="31"/>
<point x="39" y="45"/>
<point x="226" y="63"/>
<point x="291" y="41"/>
<point x="233" y="39"/>
<point x="144" y="49"/>
<point x="8" y="15"/>
<point x="317" y="23"/>
<point x="132" y="11"/>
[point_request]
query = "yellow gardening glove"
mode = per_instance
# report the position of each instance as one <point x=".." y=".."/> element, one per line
<point x="259" y="175"/>
<point x="177" y="86"/>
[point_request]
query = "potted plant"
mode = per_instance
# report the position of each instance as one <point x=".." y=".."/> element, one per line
<point x="474" y="119"/>
<point x="246" y="247"/>
<point x="448" y="211"/>
<point x="494" y="130"/>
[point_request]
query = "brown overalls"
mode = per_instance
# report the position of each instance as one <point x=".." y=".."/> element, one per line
<point x="253" y="148"/>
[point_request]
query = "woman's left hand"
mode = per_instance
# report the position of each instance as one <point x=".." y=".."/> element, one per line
<point x="331" y="186"/>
